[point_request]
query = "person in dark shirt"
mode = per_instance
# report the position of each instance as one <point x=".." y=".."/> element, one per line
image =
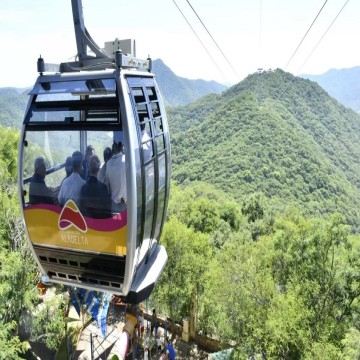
<point x="39" y="193"/>
<point x="69" y="166"/>
<point x="90" y="151"/>
<point x="95" y="200"/>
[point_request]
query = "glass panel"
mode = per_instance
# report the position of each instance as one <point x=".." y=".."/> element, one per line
<point x="149" y="202"/>
<point x="86" y="86"/>
<point x="160" y="213"/>
<point x="161" y="195"/>
<point x="142" y="112"/>
<point x="158" y="126"/>
<point x="110" y="115"/>
<point x="63" y="158"/>
<point x="67" y="108"/>
<point x="138" y="95"/>
<point x="65" y="207"/>
<point x="160" y="143"/>
<point x="155" y="109"/>
<point x="54" y="148"/>
<point x="52" y="116"/>
<point x="151" y="93"/>
<point x="162" y="171"/>
<point x="147" y="143"/>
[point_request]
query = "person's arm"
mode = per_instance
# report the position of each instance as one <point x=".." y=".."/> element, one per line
<point x="61" y="196"/>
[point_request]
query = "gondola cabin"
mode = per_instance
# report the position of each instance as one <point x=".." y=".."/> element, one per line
<point x="107" y="241"/>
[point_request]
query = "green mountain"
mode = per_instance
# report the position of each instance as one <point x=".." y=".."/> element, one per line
<point x="177" y="90"/>
<point x="276" y="134"/>
<point x="342" y="84"/>
<point x="12" y="104"/>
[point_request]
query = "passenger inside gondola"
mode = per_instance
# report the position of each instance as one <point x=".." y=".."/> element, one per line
<point x="68" y="167"/>
<point x="90" y="151"/>
<point x="71" y="186"/>
<point x="95" y="200"/>
<point x="107" y="156"/>
<point x="115" y="177"/>
<point x="146" y="144"/>
<point x="39" y="192"/>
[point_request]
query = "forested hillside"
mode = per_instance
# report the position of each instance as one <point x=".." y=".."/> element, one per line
<point x="275" y="134"/>
<point x="19" y="273"/>
<point x="243" y="265"/>
<point x="12" y="104"/>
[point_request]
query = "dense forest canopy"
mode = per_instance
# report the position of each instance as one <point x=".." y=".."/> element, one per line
<point x="261" y="231"/>
<point x="12" y="105"/>
<point x="276" y="134"/>
<point x="293" y="293"/>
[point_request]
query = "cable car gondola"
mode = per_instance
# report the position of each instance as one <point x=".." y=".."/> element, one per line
<point x="107" y="102"/>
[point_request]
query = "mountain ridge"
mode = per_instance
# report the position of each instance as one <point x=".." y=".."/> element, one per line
<point x="299" y="146"/>
<point x="342" y="84"/>
<point x="177" y="90"/>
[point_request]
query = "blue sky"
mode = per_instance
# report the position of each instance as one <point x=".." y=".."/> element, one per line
<point x="251" y="34"/>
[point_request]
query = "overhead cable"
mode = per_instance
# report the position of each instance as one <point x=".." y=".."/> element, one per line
<point x="317" y="44"/>
<point x="207" y="51"/>
<point x="305" y="34"/>
<point x="322" y="37"/>
<point x="212" y="38"/>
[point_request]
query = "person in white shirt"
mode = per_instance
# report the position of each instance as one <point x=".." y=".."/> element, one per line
<point x="146" y="144"/>
<point x="159" y="343"/>
<point x="146" y="354"/>
<point x="115" y="177"/>
<point x="71" y="186"/>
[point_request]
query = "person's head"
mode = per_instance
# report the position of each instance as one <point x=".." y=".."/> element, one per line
<point x="69" y="166"/>
<point x="89" y="152"/>
<point x="167" y="341"/>
<point x="107" y="154"/>
<point x="77" y="158"/>
<point x="40" y="167"/>
<point x="118" y="147"/>
<point x="94" y="165"/>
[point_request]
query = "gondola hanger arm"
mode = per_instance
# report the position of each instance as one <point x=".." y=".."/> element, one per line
<point x="83" y="38"/>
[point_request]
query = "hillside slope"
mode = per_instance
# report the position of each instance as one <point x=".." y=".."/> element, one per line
<point x="12" y="104"/>
<point x="277" y="134"/>
<point x="177" y="90"/>
<point x="342" y="84"/>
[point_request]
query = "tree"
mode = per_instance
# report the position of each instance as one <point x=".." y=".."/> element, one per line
<point x="317" y="255"/>
<point x="10" y="345"/>
<point x="18" y="270"/>
<point x="188" y="256"/>
<point x="351" y="343"/>
<point x="292" y="294"/>
<point x="48" y="324"/>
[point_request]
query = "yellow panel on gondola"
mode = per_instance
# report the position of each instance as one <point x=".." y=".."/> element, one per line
<point x="67" y="228"/>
